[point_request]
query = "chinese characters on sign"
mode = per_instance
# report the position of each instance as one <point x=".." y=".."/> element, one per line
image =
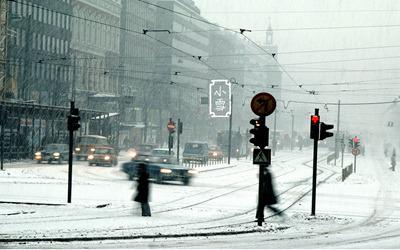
<point x="220" y="98"/>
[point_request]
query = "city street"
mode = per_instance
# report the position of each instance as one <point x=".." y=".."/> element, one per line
<point x="218" y="208"/>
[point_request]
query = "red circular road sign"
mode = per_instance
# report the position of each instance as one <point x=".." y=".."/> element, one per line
<point x="171" y="126"/>
<point x="355" y="151"/>
<point x="263" y="104"/>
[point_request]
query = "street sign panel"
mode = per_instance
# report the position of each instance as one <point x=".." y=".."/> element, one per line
<point x="355" y="151"/>
<point x="263" y="104"/>
<point x="262" y="156"/>
<point x="220" y="98"/>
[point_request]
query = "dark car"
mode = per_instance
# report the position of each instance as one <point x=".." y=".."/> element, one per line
<point x="52" y="152"/>
<point x="215" y="153"/>
<point x="103" y="156"/>
<point x="161" y="172"/>
<point x="138" y="152"/>
<point x="195" y="151"/>
<point x="162" y="155"/>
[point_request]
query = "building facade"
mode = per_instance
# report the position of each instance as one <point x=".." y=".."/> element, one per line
<point x="95" y="53"/>
<point x="39" y="36"/>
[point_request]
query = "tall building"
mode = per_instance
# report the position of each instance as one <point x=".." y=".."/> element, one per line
<point x="3" y="48"/>
<point x="181" y="69"/>
<point x="138" y="87"/>
<point x="38" y="43"/>
<point x="95" y="53"/>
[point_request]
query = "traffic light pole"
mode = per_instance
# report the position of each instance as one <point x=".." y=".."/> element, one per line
<point x="260" y="205"/>
<point x="355" y="163"/>
<point x="230" y="133"/>
<point x="314" y="178"/>
<point x="70" y="156"/>
<point x="178" y="141"/>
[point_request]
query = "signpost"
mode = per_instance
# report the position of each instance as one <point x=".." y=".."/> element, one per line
<point x="355" y="152"/>
<point x="171" y="129"/>
<point x="220" y="104"/>
<point x="262" y="104"/>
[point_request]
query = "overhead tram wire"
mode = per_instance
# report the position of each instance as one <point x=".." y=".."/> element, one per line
<point x="302" y="28"/>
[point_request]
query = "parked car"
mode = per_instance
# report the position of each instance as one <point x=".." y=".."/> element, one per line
<point x="215" y="153"/>
<point x="103" y="156"/>
<point x="137" y="152"/>
<point x="52" y="152"/>
<point x="86" y="144"/>
<point x="195" y="151"/>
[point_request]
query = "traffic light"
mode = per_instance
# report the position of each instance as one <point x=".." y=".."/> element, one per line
<point x="73" y="120"/>
<point x="260" y="132"/>
<point x="324" y="131"/>
<point x="180" y="127"/>
<point x="314" y="128"/>
<point x="356" y="142"/>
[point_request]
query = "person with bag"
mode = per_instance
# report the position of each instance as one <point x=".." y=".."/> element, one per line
<point x="142" y="195"/>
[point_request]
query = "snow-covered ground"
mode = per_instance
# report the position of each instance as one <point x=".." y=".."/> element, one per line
<point x="217" y="210"/>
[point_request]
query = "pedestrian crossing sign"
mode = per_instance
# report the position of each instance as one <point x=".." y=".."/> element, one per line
<point x="262" y="156"/>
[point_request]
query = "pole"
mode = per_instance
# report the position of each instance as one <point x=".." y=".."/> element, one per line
<point x="355" y="163"/>
<point x="2" y="122"/>
<point x="342" y="150"/>
<point x="230" y="132"/>
<point x="169" y="143"/>
<point x="314" y="179"/>
<point x="274" y="142"/>
<point x="337" y="132"/>
<point x="177" y="143"/>
<point x="291" y="139"/>
<point x="260" y="205"/>
<point x="71" y="148"/>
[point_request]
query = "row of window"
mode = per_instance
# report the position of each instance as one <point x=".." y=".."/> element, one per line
<point x="40" y="42"/>
<point x="40" y="14"/>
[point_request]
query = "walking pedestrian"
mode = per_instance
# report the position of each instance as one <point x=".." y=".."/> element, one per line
<point x="269" y="193"/>
<point x="393" y="159"/>
<point x="142" y="195"/>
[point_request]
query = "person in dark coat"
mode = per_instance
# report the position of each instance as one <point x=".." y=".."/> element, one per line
<point x="142" y="195"/>
<point x="269" y="193"/>
<point x="393" y="159"/>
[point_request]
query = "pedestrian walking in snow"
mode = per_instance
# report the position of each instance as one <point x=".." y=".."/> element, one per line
<point x="269" y="193"/>
<point x="393" y="159"/>
<point x="142" y="195"/>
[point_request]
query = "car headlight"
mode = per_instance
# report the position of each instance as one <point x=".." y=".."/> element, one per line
<point x="165" y="171"/>
<point x="133" y="154"/>
<point x="165" y="160"/>
<point x="237" y="150"/>
<point x="77" y="149"/>
<point x="56" y="154"/>
<point x="92" y="149"/>
<point x="192" y="171"/>
<point x="38" y="154"/>
<point x="90" y="157"/>
<point x="215" y="154"/>
<point x="107" y="157"/>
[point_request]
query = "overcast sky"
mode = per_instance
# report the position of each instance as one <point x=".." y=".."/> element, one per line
<point x="299" y="16"/>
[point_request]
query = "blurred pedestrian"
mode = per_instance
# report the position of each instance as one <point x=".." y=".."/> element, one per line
<point x="142" y="195"/>
<point x="269" y="193"/>
<point x="393" y="159"/>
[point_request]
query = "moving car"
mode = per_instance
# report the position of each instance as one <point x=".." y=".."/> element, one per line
<point x="86" y="145"/>
<point x="161" y="167"/>
<point x="215" y="153"/>
<point x="103" y="156"/>
<point x="195" y="151"/>
<point x="161" y="155"/>
<point x="53" y="152"/>
<point x="137" y="152"/>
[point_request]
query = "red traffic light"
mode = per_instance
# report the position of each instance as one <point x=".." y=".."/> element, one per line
<point x="314" y="119"/>
<point x="356" y="139"/>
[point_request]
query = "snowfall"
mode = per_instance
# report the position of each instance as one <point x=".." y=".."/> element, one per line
<point x="217" y="210"/>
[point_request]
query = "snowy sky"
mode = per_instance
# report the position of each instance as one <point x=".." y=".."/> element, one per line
<point x="371" y="65"/>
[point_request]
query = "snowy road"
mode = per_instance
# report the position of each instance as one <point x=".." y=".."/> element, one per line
<point x="216" y="210"/>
